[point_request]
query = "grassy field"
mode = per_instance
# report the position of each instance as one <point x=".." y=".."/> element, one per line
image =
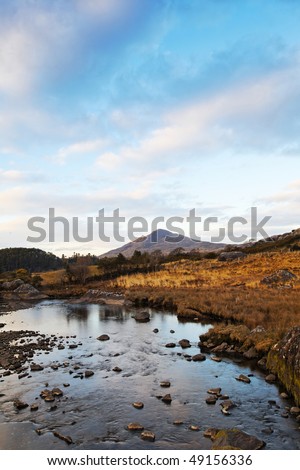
<point x="213" y="273"/>
<point x="230" y="291"/>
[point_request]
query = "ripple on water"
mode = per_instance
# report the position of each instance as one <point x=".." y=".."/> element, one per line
<point x="95" y="411"/>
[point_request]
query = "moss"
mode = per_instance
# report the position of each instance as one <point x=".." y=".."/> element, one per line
<point x="285" y="373"/>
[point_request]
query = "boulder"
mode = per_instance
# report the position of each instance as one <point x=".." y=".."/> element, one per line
<point x="280" y="278"/>
<point x="142" y="316"/>
<point x="284" y="361"/>
<point x="184" y="343"/>
<point x="231" y="255"/>
<point x="12" y="285"/>
<point x="28" y="292"/>
<point x="236" y="439"/>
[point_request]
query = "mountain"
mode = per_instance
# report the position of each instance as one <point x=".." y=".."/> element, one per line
<point x="158" y="240"/>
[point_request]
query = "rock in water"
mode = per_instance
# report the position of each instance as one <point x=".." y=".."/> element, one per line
<point x="135" y="427"/>
<point x="148" y="436"/>
<point x="165" y="384"/>
<point x="103" y="338"/>
<point x="243" y="378"/>
<point x="184" y="343"/>
<point x="198" y="358"/>
<point x="236" y="439"/>
<point x="167" y="398"/>
<point x="138" y="405"/>
<point x="142" y="317"/>
<point x="270" y="378"/>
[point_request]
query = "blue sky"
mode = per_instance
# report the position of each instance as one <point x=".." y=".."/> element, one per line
<point x="154" y="107"/>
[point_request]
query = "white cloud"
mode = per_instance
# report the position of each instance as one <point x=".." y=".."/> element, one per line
<point x="213" y="123"/>
<point x="106" y="11"/>
<point x="108" y="161"/>
<point x="10" y="175"/>
<point x="82" y="147"/>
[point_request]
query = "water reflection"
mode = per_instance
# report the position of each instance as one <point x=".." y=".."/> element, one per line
<point x="96" y="411"/>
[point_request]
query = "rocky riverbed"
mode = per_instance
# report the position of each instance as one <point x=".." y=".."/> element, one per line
<point x="72" y="388"/>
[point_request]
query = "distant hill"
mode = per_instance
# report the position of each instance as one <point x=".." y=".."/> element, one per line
<point x="289" y="241"/>
<point x="158" y="240"/>
<point x="32" y="259"/>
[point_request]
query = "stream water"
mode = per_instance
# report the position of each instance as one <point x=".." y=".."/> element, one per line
<point x="95" y="411"/>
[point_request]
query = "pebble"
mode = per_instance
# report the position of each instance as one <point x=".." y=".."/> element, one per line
<point x="211" y="400"/>
<point x="88" y="373"/>
<point x="193" y="427"/>
<point x="243" y="378"/>
<point x="138" y="405"/>
<point x="148" y="436"/>
<point x="135" y="427"/>
<point x="103" y="338"/>
<point x="167" y="398"/>
<point x="165" y="384"/>
<point x="271" y="378"/>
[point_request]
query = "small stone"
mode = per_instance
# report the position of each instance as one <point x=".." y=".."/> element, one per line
<point x="34" y="407"/>
<point x="148" y="436"/>
<point x="135" y="427"/>
<point x="214" y="391"/>
<point x="165" y="384"/>
<point x="172" y="331"/>
<point x="243" y="378"/>
<point x="271" y="378"/>
<point x="198" y="358"/>
<point x="177" y="422"/>
<point x="67" y="439"/>
<point x="103" y="338"/>
<point x="156" y="330"/>
<point x="284" y="414"/>
<point x="210" y="433"/>
<point x="117" y="369"/>
<point x="216" y="359"/>
<point x="36" y="367"/>
<point x="170" y="345"/>
<point x="138" y="405"/>
<point x="88" y="373"/>
<point x="211" y="400"/>
<point x="184" y="343"/>
<point x="57" y="392"/>
<point x="284" y="395"/>
<point x="193" y="427"/>
<point x="227" y="405"/>
<point x="167" y="398"/>
<point x="295" y="410"/>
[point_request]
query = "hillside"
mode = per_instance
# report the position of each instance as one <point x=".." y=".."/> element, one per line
<point x="158" y="240"/>
<point x="32" y="259"/>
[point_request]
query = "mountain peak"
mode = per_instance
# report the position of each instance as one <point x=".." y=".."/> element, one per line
<point x="156" y="240"/>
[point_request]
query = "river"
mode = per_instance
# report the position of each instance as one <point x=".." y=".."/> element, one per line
<point x="95" y="411"/>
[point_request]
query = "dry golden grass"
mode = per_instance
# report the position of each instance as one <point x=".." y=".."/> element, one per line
<point x="53" y="278"/>
<point x="213" y="273"/>
<point x="225" y="290"/>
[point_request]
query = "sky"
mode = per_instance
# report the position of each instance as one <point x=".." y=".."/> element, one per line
<point x="152" y="107"/>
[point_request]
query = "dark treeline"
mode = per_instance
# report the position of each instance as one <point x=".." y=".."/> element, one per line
<point x="31" y="259"/>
